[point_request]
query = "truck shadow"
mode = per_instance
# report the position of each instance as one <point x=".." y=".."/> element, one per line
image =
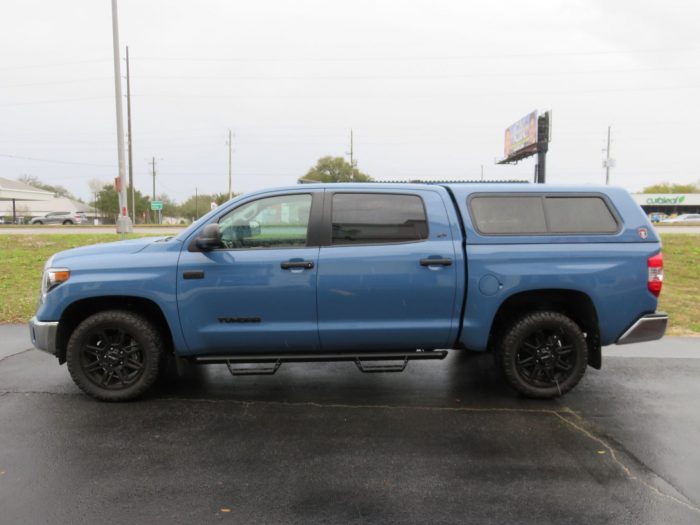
<point x="461" y="379"/>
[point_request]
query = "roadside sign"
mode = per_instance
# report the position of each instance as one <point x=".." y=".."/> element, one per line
<point x="156" y="205"/>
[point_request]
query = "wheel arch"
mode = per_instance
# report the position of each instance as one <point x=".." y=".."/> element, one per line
<point x="573" y="303"/>
<point x="80" y="310"/>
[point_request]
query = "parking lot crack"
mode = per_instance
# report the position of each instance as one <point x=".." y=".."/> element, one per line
<point x="614" y="457"/>
<point x="15" y="354"/>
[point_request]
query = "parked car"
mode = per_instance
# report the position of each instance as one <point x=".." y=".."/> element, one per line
<point x="61" y="217"/>
<point x="541" y="276"/>
<point x="657" y="217"/>
<point x="686" y="218"/>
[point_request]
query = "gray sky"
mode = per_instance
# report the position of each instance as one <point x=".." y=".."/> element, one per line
<point x="427" y="86"/>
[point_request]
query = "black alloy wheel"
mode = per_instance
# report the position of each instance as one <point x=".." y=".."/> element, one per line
<point x="543" y="354"/>
<point x="112" y="358"/>
<point x="114" y="355"/>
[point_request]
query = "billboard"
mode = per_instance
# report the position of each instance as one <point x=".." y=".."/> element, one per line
<point x="521" y="135"/>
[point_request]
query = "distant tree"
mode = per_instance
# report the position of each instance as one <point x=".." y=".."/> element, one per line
<point x="220" y="198"/>
<point x="59" y="190"/>
<point x="667" y="187"/>
<point x="335" y="169"/>
<point x="107" y="202"/>
<point x="194" y="209"/>
<point x="170" y="207"/>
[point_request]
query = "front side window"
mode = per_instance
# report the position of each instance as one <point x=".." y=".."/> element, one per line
<point x="274" y="222"/>
<point x="377" y="218"/>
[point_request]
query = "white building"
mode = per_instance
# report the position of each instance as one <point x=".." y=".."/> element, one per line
<point x="24" y="202"/>
<point x="668" y="203"/>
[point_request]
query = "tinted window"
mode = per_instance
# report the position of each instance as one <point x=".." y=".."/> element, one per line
<point x="504" y="215"/>
<point x="541" y="215"/>
<point x="274" y="222"/>
<point x="579" y="215"/>
<point x="366" y="218"/>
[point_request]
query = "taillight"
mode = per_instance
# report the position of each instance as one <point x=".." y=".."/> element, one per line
<point x="655" y="280"/>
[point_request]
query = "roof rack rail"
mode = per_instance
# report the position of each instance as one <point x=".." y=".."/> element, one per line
<point x="419" y="181"/>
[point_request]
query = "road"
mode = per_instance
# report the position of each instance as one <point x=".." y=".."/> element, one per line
<point x="678" y="229"/>
<point x="35" y="230"/>
<point x="173" y="230"/>
<point x="444" y="442"/>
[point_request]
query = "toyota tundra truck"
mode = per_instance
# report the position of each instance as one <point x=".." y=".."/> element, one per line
<point x="377" y="274"/>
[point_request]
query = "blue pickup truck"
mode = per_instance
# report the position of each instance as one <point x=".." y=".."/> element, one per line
<point x="542" y="276"/>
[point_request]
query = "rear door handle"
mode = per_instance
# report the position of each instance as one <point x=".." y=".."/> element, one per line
<point x="288" y="265"/>
<point x="436" y="262"/>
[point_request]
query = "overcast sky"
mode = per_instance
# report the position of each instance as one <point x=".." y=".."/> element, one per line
<point x="427" y="86"/>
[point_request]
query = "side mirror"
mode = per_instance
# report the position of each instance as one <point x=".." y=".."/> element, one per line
<point x="210" y="238"/>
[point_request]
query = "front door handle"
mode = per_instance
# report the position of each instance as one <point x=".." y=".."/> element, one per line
<point x="288" y="265"/>
<point x="436" y="262"/>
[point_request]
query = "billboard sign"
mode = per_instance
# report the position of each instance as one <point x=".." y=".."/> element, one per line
<point x="521" y="135"/>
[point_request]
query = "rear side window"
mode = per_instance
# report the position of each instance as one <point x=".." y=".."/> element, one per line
<point x="579" y="215"/>
<point x="502" y="215"/>
<point x="542" y="215"/>
<point x="377" y="218"/>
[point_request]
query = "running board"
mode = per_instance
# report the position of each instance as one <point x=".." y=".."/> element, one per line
<point x="360" y="359"/>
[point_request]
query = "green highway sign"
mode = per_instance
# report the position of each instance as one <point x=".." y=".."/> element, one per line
<point x="156" y="205"/>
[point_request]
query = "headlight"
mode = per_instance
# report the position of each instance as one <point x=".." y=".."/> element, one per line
<point x="52" y="278"/>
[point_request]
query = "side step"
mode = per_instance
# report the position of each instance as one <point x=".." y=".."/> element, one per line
<point x="361" y="360"/>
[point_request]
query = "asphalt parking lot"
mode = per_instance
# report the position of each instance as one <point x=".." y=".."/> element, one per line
<point x="444" y="442"/>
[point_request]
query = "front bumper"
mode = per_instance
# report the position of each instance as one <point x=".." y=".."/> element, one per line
<point x="647" y="328"/>
<point x="43" y="335"/>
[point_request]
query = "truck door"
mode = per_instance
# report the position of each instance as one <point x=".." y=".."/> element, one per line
<point x="258" y="293"/>
<point x="387" y="273"/>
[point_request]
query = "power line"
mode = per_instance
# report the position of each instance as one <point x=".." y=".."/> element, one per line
<point x="56" y="161"/>
<point x="417" y="58"/>
<point x="57" y="83"/>
<point x="414" y="77"/>
<point x="415" y="95"/>
<point x="56" y="64"/>
<point x="56" y="101"/>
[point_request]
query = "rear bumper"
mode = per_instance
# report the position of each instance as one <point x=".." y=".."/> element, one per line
<point x="43" y="335"/>
<point x="647" y="328"/>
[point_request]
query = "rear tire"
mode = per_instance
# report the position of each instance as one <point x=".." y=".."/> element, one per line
<point x="114" y="355"/>
<point x="543" y="355"/>
<point x="37" y="222"/>
<point x="67" y="222"/>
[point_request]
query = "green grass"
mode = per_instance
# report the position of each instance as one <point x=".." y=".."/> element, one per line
<point x="680" y="296"/>
<point x="22" y="258"/>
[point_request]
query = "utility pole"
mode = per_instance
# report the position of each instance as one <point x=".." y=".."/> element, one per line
<point x="124" y="224"/>
<point x="482" y="172"/>
<point x="128" y="127"/>
<point x="542" y="147"/>
<point x="352" y="152"/>
<point x="608" y="162"/>
<point x="153" y="172"/>
<point x="230" y="191"/>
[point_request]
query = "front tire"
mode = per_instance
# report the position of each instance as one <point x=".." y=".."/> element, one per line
<point x="114" y="355"/>
<point x="543" y="355"/>
<point x="67" y="222"/>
